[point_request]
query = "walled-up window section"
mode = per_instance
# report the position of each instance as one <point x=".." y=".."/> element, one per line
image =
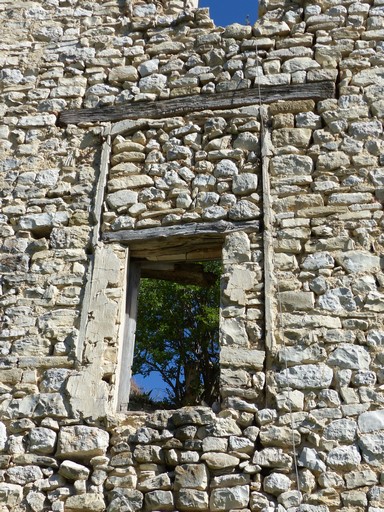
<point x="176" y="333"/>
<point x="226" y="12"/>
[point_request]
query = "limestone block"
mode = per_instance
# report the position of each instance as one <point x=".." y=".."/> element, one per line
<point x="244" y="184"/>
<point x="371" y="421"/>
<point x="311" y="321"/>
<point x="193" y="416"/>
<point x="246" y="141"/>
<point x="290" y="401"/>
<point x="227" y="498"/>
<point x="318" y="260"/>
<point x="349" y="356"/>
<point x="35" y="500"/>
<point x="349" y="199"/>
<point x="39" y="404"/>
<point x="122" y="198"/>
<point x="308" y="376"/>
<point x="154" y="83"/>
<point x="364" y="378"/>
<point x="214" y="444"/>
<point x="236" y="248"/>
<point x="272" y="458"/>
<point x="161" y="481"/>
<point x="276" y="483"/>
<point x="123" y="74"/>
<point x="300" y="355"/>
<point x="234" y="378"/>
<point x="192" y="499"/>
<point x="375" y="338"/>
<point x="308" y="120"/>
<point x="148" y="454"/>
<point x="143" y="11"/>
<point x="376" y="496"/>
<point x="191" y="476"/>
<point x="360" y="478"/>
<point x="343" y="430"/>
<point x="10" y="494"/>
<point x="374" y="302"/>
<point x="258" y="501"/>
<point x="240" y="281"/>
<point x="244" y="210"/>
<point x="331" y="161"/>
<point x="298" y="137"/>
<point x="222" y="427"/>
<point x="159" y="500"/>
<point x="268" y="28"/>
<point x="126" y="480"/>
<point x="310" y="459"/>
<point x="42" y="440"/>
<point x="364" y="130"/>
<point x="241" y="445"/>
<point x="81" y="442"/>
<point x="242" y="358"/>
<point x="299" y="64"/>
<point x="128" y="500"/>
<point x="337" y="300"/>
<point x="372" y="448"/>
<point x="233" y="332"/>
<point x="219" y="460"/>
<point x="129" y="182"/>
<point x="73" y="471"/>
<point x="298" y="300"/>
<point x="39" y="221"/>
<point x="85" y="503"/>
<point x="3" y="436"/>
<point x="225" y="169"/>
<point x="278" y="436"/>
<point x="37" y="121"/>
<point x="207" y="199"/>
<point x="22" y="475"/>
<point x="9" y="76"/>
<point x="53" y="380"/>
<point x="344" y="457"/>
<point x="358" y="261"/>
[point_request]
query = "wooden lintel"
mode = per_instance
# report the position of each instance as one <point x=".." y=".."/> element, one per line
<point x="182" y="273"/>
<point x="211" y="230"/>
<point x="183" y="105"/>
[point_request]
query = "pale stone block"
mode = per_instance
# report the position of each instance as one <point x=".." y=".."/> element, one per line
<point x="85" y="502"/>
<point x="193" y="476"/>
<point x="228" y="498"/>
<point x="344" y="457"/>
<point x="82" y="442"/>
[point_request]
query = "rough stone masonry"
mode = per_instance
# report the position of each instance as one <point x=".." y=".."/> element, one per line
<point x="289" y="190"/>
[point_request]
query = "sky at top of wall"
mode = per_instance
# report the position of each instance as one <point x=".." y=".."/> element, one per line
<point x="225" y="12"/>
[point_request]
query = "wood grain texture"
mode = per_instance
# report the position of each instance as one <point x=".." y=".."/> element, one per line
<point x="184" y="105"/>
<point x="189" y="242"/>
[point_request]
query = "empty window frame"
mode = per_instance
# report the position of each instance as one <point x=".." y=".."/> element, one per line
<point x="197" y="364"/>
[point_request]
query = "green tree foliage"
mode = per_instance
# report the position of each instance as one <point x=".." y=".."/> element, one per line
<point x="177" y="335"/>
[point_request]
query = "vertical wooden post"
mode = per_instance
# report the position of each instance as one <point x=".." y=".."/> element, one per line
<point x="128" y="342"/>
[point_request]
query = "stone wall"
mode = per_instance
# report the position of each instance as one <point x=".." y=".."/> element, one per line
<point x="301" y="423"/>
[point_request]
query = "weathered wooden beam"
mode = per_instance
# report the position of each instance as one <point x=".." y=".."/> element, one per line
<point x="183" y="105"/>
<point x="182" y="273"/>
<point x="212" y="230"/>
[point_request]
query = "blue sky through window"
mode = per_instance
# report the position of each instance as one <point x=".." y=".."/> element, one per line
<point x="225" y="12"/>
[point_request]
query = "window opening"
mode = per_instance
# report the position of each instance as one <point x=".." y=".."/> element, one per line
<point x="177" y="334"/>
<point x="226" y="12"/>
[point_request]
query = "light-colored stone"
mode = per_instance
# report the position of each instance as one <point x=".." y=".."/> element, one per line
<point x="229" y="498"/>
<point x="81" y="442"/>
<point x="307" y="376"/>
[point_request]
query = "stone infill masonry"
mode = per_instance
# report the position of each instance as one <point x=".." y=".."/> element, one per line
<point x="287" y="191"/>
